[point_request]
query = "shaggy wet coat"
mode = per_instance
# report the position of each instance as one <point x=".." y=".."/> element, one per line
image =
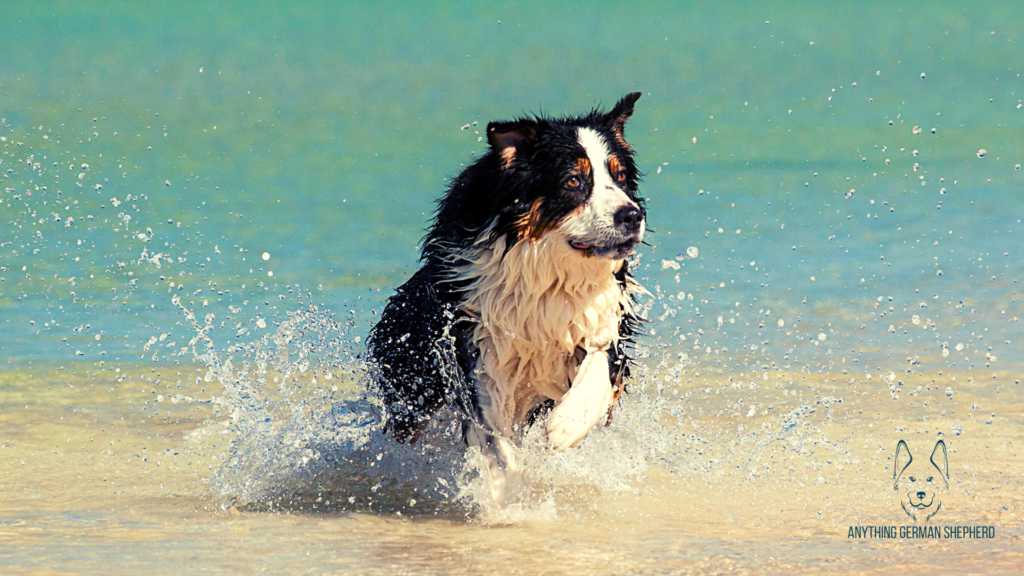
<point x="524" y="301"/>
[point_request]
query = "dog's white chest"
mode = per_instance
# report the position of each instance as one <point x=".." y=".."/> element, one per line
<point x="540" y="308"/>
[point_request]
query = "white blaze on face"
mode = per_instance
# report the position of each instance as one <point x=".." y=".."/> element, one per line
<point x="596" y="222"/>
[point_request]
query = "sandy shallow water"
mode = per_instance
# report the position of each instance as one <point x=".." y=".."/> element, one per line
<point x="94" y="484"/>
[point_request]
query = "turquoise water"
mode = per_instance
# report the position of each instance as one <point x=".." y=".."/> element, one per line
<point x="321" y="134"/>
<point x="851" y="171"/>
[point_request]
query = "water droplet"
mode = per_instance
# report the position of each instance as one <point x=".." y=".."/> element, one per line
<point x="781" y="323"/>
<point x="260" y="322"/>
<point x="822" y="337"/>
<point x="982" y="153"/>
<point x="958" y="427"/>
<point x="266" y="256"/>
<point x="692" y="251"/>
<point x="922" y="76"/>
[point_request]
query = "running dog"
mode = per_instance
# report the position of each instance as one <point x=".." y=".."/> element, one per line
<point x="523" y="306"/>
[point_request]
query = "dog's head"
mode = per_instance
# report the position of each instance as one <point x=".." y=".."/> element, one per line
<point x="922" y="483"/>
<point x="574" y="177"/>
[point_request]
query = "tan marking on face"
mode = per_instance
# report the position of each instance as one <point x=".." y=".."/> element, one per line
<point x="530" y="225"/>
<point x="614" y="165"/>
<point x="583" y="166"/>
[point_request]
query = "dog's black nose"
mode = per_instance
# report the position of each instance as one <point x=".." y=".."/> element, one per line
<point x="921" y="495"/>
<point x="629" y="218"/>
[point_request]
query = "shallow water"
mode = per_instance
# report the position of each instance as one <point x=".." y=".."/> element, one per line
<point x="203" y="211"/>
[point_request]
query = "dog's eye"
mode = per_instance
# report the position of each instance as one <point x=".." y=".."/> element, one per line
<point x="621" y="176"/>
<point x="573" y="182"/>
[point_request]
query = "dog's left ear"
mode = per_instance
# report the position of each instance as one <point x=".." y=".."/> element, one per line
<point x="940" y="461"/>
<point x="620" y="114"/>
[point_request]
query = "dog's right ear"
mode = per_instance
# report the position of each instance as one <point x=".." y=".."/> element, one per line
<point x="900" y="462"/>
<point x="509" y="139"/>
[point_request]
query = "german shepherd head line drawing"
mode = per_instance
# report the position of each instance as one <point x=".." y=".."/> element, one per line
<point x="922" y="482"/>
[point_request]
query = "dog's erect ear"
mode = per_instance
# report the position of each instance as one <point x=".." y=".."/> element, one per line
<point x="509" y="139"/>
<point x="900" y="463"/>
<point x="620" y="114"/>
<point x="940" y="461"/>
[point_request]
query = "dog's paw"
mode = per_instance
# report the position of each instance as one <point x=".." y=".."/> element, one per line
<point x="581" y="408"/>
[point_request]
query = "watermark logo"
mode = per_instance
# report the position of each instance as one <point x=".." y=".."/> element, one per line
<point x="921" y="483"/>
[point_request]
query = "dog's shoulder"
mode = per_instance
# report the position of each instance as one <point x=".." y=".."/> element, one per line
<point x="416" y="347"/>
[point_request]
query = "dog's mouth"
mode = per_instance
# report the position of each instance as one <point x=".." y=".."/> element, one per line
<point x="620" y="250"/>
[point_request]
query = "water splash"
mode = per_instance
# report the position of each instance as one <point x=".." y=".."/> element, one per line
<point x="306" y="433"/>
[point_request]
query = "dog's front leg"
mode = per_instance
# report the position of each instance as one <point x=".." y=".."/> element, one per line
<point x="502" y="464"/>
<point x="489" y="433"/>
<point x="585" y="403"/>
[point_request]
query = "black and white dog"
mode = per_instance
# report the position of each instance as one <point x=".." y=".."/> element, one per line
<point x="524" y="302"/>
